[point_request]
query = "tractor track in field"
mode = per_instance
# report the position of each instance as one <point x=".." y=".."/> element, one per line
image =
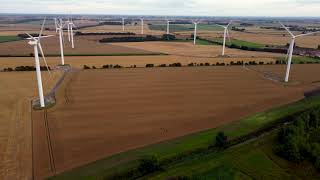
<point x="49" y="142"/>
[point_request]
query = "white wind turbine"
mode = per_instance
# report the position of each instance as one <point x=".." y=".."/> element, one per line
<point x="70" y="32"/>
<point x="68" y="24"/>
<point x="291" y="47"/>
<point x="168" y="26"/>
<point x="142" y="26"/>
<point x="225" y="34"/>
<point x="61" y="39"/>
<point x="122" y="24"/>
<point x="195" y="33"/>
<point x="36" y="43"/>
<point x="56" y="24"/>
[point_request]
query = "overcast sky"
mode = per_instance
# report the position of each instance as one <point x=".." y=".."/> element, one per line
<point x="166" y="7"/>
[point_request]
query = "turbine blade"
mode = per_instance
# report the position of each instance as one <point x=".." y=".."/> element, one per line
<point x="44" y="21"/>
<point x="229" y="24"/>
<point x="31" y="36"/>
<point x="44" y="58"/>
<point x="220" y="25"/>
<point x="301" y="35"/>
<point x="287" y="29"/>
<point x="228" y="36"/>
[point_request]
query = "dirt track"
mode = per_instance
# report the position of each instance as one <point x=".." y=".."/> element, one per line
<point x="102" y="112"/>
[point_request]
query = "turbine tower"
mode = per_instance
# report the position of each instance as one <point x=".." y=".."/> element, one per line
<point x="195" y="33"/>
<point x="142" y="26"/>
<point x="55" y="24"/>
<point x="71" y="26"/>
<point x="61" y="39"/>
<point x="122" y="24"/>
<point x="225" y="34"/>
<point x="168" y="27"/>
<point x="291" y="47"/>
<point x="68" y="24"/>
<point x="36" y="43"/>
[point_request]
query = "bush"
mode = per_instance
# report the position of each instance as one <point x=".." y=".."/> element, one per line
<point x="175" y="65"/>
<point x="93" y="67"/>
<point x="168" y="37"/>
<point x="162" y="65"/>
<point x="207" y="64"/>
<point x="299" y="141"/>
<point x="117" y="66"/>
<point x="149" y="65"/>
<point x="191" y="64"/>
<point x="106" y="66"/>
<point x="7" y="69"/>
<point x="149" y="164"/>
<point x="221" y="140"/>
<point x="220" y="64"/>
<point x="86" y="67"/>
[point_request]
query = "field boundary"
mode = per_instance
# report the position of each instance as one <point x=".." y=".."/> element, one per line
<point x="76" y="55"/>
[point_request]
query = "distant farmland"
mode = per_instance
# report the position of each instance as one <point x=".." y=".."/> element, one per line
<point x="184" y="27"/>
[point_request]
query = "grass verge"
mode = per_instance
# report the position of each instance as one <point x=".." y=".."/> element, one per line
<point x="9" y="38"/>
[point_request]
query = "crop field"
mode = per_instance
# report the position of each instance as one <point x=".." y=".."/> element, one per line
<point x="269" y="38"/>
<point x="17" y="90"/>
<point x="8" y="38"/>
<point x="83" y="45"/>
<point x="184" y="27"/>
<point x="128" y="28"/>
<point x="109" y="111"/>
<point x="189" y="50"/>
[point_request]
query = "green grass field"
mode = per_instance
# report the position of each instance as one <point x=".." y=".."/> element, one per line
<point x="254" y="160"/>
<point x="184" y="27"/>
<point x="180" y="148"/>
<point x="240" y="43"/>
<point x="301" y="59"/>
<point x="9" y="38"/>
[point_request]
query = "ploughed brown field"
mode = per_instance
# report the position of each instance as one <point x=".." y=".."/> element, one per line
<point x="103" y="112"/>
<point x="83" y="45"/>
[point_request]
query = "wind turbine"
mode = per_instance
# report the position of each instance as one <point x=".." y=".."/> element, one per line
<point x="291" y="47"/>
<point x="36" y="43"/>
<point x="55" y="24"/>
<point x="70" y="26"/>
<point x="61" y="39"/>
<point x="142" y="26"/>
<point x="168" y="26"/>
<point x="195" y="33"/>
<point x="122" y="24"/>
<point x="225" y="34"/>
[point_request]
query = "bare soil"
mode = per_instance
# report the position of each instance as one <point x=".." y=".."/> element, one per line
<point x="103" y="112"/>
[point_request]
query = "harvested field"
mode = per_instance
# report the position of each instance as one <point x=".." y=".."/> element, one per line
<point x="83" y="45"/>
<point x="125" y="61"/>
<point x="188" y="49"/>
<point x="102" y="112"/>
<point x="269" y="37"/>
<point x="118" y="28"/>
<point x="17" y="89"/>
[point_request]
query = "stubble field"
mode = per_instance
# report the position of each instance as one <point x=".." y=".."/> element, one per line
<point x="17" y="90"/>
<point x="102" y="112"/>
